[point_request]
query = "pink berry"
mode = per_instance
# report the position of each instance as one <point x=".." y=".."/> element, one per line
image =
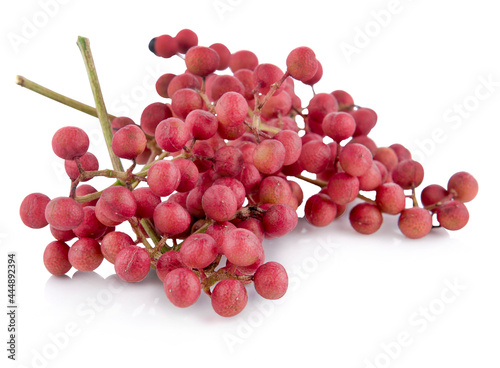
<point x="55" y="258"/>
<point x="90" y="227"/>
<point x="146" y="201"/>
<point x="88" y="161"/>
<point x="204" y="124"/>
<point x="219" y="203"/>
<point x="243" y="59"/>
<point x="132" y="264"/>
<point x="231" y="109"/>
<point x="386" y="156"/>
<point x="301" y="63"/>
<point x="32" y="210"/>
<point x="365" y="218"/>
<point x="186" y="39"/>
<point x="338" y="125"/>
<point x="129" y="142"/>
<point x="113" y="243"/>
<point x="171" y="218"/>
<point x="315" y="156"/>
<point x="320" y="210"/>
<point x="408" y="174"/>
<point x="224" y="55"/>
<point x="343" y="188"/>
<point x="85" y="254"/>
<point x="355" y="159"/>
<point x="365" y="119"/>
<point x="269" y="156"/>
<point x="274" y="190"/>
<point x="165" y="46"/>
<point x="452" y="215"/>
<point x="152" y="115"/>
<point x="218" y="231"/>
<point x="64" y="213"/>
<point x="271" y="280"/>
<point x="163" y="178"/>
<point x="415" y="222"/>
<point x="172" y="134"/>
<point x="115" y="205"/>
<point x="391" y="198"/>
<point x="182" y="287"/>
<point x="292" y="144"/>
<point x="201" y="60"/>
<point x="70" y="142"/>
<point x="241" y="247"/>
<point x="279" y="220"/>
<point x="168" y="262"/>
<point x="228" y="161"/>
<point x="229" y="297"/>
<point x="433" y="194"/>
<point x="198" y="251"/>
<point x="463" y="186"/>
<point x="189" y="174"/>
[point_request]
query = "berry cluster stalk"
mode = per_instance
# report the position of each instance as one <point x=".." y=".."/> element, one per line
<point x="84" y="46"/>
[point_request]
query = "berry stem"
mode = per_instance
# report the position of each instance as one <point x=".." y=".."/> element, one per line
<point x="156" y="252"/>
<point x="150" y="230"/>
<point x="319" y="183"/>
<point x="431" y="207"/>
<point x="219" y="275"/>
<point x="88" y="197"/>
<point x="366" y="199"/>
<point x="138" y="232"/>
<point x="274" y="88"/>
<point x="84" y="46"/>
<point x="414" y="196"/>
<point x="268" y="128"/>
<point x="204" y="97"/>
<point x="77" y="105"/>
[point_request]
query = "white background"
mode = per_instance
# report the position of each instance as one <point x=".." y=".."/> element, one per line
<point x="351" y="297"/>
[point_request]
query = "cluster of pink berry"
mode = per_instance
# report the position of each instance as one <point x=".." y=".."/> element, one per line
<point x="217" y="160"/>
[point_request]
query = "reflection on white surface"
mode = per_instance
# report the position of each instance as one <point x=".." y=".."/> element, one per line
<point x="305" y="252"/>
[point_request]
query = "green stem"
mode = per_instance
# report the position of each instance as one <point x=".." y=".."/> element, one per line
<point x="84" y="46"/>
<point x="138" y="232"/>
<point x="89" y="197"/>
<point x="35" y="87"/>
<point x="150" y="230"/>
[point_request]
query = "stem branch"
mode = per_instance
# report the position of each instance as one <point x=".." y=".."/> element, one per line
<point x="77" y="105"/>
<point x="84" y="46"/>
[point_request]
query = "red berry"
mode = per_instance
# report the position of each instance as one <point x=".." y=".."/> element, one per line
<point x="55" y="258"/>
<point x="271" y="280"/>
<point x="70" y="142"/>
<point x="182" y="287"/>
<point x="32" y="210"/>
<point x="132" y="264"/>
<point x="229" y="297"/>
